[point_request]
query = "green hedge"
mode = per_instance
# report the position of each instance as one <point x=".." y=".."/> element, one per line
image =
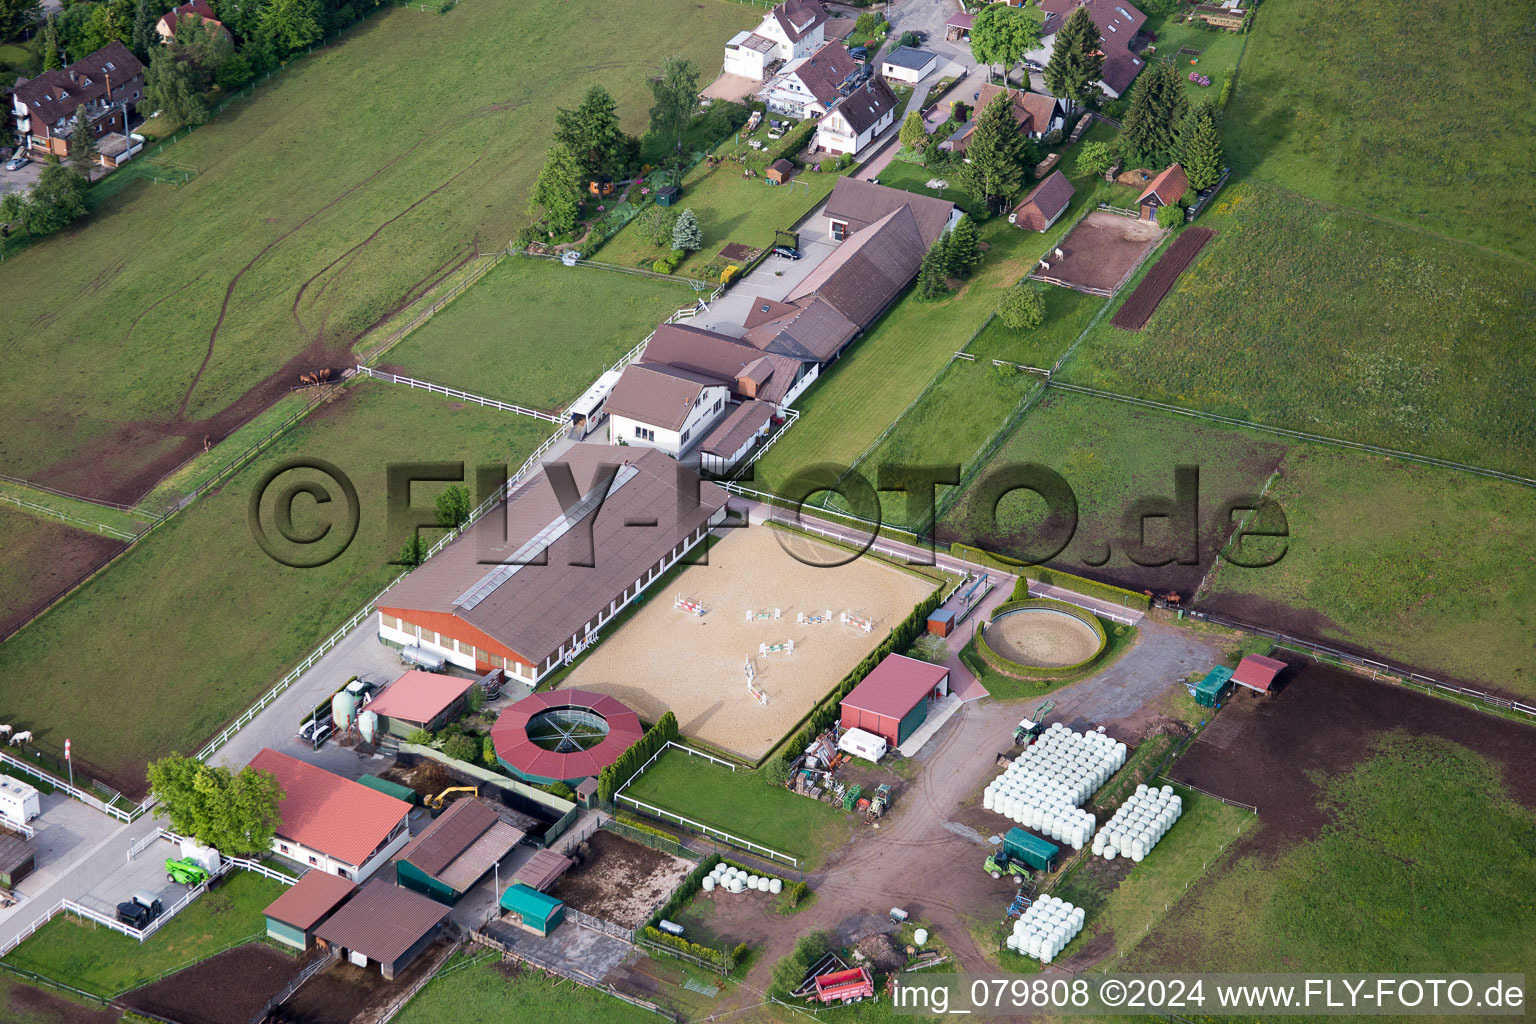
<point x="613" y="778"/>
<point x="680" y="898"/>
<point x="793" y="141"/>
<point x="824" y="714"/>
<point x="1051" y="577"/>
<point x="1013" y="668"/>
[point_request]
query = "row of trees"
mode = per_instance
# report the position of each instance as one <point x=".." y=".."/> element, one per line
<point x="1002" y="35"/>
<point x="235" y="813"/>
<point x="953" y="254"/>
<point x="1161" y="126"/>
<point x="612" y="778"/>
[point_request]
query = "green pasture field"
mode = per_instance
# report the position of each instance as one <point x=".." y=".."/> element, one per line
<point x="1125" y="908"/>
<point x="1418" y="124"/>
<point x="1426" y="864"/>
<point x="335" y="193"/>
<point x="1111" y="454"/>
<point x="872" y="385"/>
<point x="1442" y="581"/>
<point x="536" y="333"/>
<point x="1314" y="319"/>
<point x="744" y="804"/>
<point x="730" y="208"/>
<point x="1068" y="313"/>
<point x="100" y="960"/>
<point x="198" y="608"/>
<point x="471" y="991"/>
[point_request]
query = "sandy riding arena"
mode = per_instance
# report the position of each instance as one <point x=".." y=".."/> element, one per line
<point x="1100" y="253"/>
<point x="1042" y="638"/>
<point x="666" y="658"/>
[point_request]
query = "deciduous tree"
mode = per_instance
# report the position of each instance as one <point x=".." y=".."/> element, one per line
<point x="1003" y="35"/>
<point x="1094" y="158"/>
<point x="687" y="235"/>
<point x="292" y="25"/>
<point x="235" y="814"/>
<point x="657" y="223"/>
<point x="169" y="86"/>
<point x="998" y="155"/>
<point x="556" y="194"/>
<point x="453" y="506"/>
<point x="676" y="91"/>
<point x="1076" y="63"/>
<point x="1022" y="307"/>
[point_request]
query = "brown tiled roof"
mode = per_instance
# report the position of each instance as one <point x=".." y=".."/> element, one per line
<point x="798" y="17"/>
<point x="961" y="20"/>
<point x="737" y="428"/>
<point x="542" y="869"/>
<point x="1118" y="23"/>
<point x="812" y="332"/>
<point x="539" y="606"/>
<point x="450" y="835"/>
<point x="650" y="394"/>
<point x="382" y="921"/>
<point x="823" y="72"/>
<point x="309" y="899"/>
<point x="54" y="95"/>
<point x="866" y="105"/>
<point x="865" y="273"/>
<point x="722" y="358"/>
<point x="1044" y="202"/>
<point x="1032" y="112"/>
<point x="764" y="310"/>
<point x="1169" y="186"/>
<point x="859" y="204"/>
<point x="325" y="812"/>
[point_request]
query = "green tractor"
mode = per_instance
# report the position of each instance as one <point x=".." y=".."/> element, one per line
<point x="1029" y="729"/>
<point x="1020" y="854"/>
<point x="186" y="871"/>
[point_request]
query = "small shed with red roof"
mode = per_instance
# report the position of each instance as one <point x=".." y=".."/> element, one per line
<point x="1164" y="190"/>
<point x="420" y="700"/>
<point x="293" y="917"/>
<point x="892" y="701"/>
<point x="1258" y="672"/>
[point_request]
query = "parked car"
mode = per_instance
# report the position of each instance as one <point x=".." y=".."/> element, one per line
<point x="17" y="162"/>
<point x="787" y="252"/>
<point x="316" y="730"/>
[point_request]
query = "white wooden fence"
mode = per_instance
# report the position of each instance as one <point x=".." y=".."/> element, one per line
<point x="90" y="799"/>
<point x="490" y="403"/>
<point x="708" y="830"/>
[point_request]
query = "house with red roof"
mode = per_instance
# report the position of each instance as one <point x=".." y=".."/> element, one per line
<point x="1164" y="190"/>
<point x="1119" y="25"/>
<point x="333" y="824"/>
<point x="199" y="10"/>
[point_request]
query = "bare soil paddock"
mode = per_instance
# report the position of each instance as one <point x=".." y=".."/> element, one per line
<point x="693" y="665"/>
<point x="1099" y="254"/>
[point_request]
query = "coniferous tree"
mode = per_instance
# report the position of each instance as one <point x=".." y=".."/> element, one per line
<point x="51" y="46"/>
<point x="593" y="134"/>
<point x="17" y="16"/>
<point x="1149" y="133"/>
<point x="83" y="151"/>
<point x="963" y="254"/>
<point x="144" y="35"/>
<point x="687" y="236"/>
<point x="930" y="273"/>
<point x="557" y="192"/>
<point x="1076" y="63"/>
<point x="914" y="137"/>
<point x="997" y="156"/>
<point x="1200" y="147"/>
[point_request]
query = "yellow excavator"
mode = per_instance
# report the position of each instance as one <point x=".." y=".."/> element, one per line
<point x="435" y="803"/>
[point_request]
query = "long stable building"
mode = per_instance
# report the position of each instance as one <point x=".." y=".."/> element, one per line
<point x="524" y="590"/>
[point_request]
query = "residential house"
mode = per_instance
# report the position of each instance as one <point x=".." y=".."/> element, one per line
<point x="1119" y="25"/>
<point x="1164" y="190"/>
<point x="809" y="86"/>
<point x="165" y="28"/>
<point x="1228" y="14"/>
<point x="529" y="586"/>
<point x="793" y="29"/>
<point x="330" y="823"/>
<point x="857" y="119"/>
<point x="1045" y="203"/>
<point x="854" y="205"/>
<point x="733" y="440"/>
<point x="663" y="407"/>
<point x="1036" y="115"/>
<point x="752" y="375"/>
<point x="908" y="64"/>
<point x="108" y="85"/>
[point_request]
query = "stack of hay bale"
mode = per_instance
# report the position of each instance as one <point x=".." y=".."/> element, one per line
<point x="1045" y="785"/>
<point x="1045" y="928"/>
<point x="1139" y="823"/>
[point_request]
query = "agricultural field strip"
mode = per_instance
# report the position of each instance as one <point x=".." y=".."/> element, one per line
<point x="1139" y="306"/>
<point x="1232" y="421"/>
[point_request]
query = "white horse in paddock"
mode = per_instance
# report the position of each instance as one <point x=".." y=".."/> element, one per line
<point x="5" y="730"/>
<point x="21" y="738"/>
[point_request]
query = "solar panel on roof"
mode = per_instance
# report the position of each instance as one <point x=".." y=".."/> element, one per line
<point x="540" y="541"/>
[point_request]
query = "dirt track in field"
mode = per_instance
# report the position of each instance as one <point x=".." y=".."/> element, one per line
<point x="666" y="659"/>
<point x="1264" y="750"/>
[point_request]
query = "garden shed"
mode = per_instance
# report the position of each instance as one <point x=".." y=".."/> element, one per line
<point x="293" y="917"/>
<point x="531" y="910"/>
<point x="667" y="196"/>
<point x="17" y="859"/>
<point x="779" y="171"/>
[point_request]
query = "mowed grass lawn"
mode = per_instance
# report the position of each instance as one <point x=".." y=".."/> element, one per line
<point x="473" y="991"/>
<point x="730" y="208"/>
<point x="1426" y="566"/>
<point x="1425" y="866"/>
<point x="97" y="959"/>
<point x="196" y="621"/>
<point x="1419" y="124"/>
<point x="886" y="369"/>
<point x="1304" y="317"/>
<point x="1125" y="910"/>
<point x="537" y="333"/>
<point x="1112" y="455"/>
<point x="1217" y="59"/>
<point x="743" y="803"/>
<point x="340" y="189"/>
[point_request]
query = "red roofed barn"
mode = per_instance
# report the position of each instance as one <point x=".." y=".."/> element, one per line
<point x="1045" y="203"/>
<point x="1164" y="190"/>
<point x="330" y="823"/>
<point x="420" y="700"/>
<point x="1258" y="672"/>
<point x="892" y="701"/>
<point x="293" y="917"/>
